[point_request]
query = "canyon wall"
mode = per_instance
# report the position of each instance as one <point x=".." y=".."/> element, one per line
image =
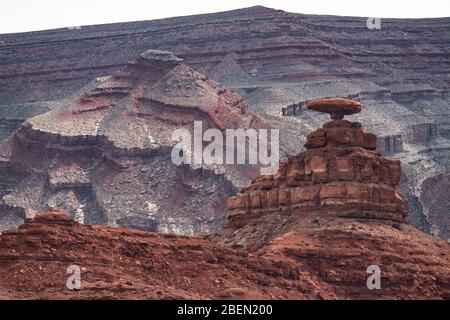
<point x="273" y="59"/>
<point x="105" y="155"/>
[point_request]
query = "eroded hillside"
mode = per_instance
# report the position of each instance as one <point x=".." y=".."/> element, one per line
<point x="277" y="61"/>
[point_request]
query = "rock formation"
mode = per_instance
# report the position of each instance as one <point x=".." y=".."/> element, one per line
<point x="314" y="230"/>
<point x="291" y="256"/>
<point x="104" y="155"/>
<point x="336" y="209"/>
<point x="274" y="59"/>
<point x="339" y="174"/>
<point x="117" y="263"/>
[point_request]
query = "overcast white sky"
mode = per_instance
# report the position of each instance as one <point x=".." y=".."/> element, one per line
<point x="21" y="15"/>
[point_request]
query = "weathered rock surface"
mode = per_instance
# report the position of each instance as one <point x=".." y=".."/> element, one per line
<point x="337" y="209"/>
<point x="436" y="201"/>
<point x="336" y="107"/>
<point x="339" y="252"/>
<point x="289" y="257"/>
<point x="339" y="174"/>
<point x="276" y="60"/>
<point x="283" y="240"/>
<point x="104" y="155"/>
<point x="117" y="263"/>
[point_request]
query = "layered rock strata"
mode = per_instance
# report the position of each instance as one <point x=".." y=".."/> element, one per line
<point x="297" y="257"/>
<point x="273" y="59"/>
<point x="104" y="155"/>
<point x="117" y="263"/>
<point x="340" y="173"/>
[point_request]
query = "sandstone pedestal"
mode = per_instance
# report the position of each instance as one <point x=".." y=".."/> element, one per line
<point x="339" y="174"/>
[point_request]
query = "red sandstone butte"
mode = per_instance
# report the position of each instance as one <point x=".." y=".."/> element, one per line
<point x="339" y="174"/>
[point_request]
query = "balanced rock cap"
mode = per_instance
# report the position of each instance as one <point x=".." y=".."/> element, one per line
<point x="336" y="107"/>
<point x="160" y="55"/>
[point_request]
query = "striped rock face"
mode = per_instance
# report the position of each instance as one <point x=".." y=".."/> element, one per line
<point x="340" y="174"/>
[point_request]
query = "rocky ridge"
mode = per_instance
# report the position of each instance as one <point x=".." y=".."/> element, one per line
<point x="118" y="263"/>
<point x="104" y="155"/>
<point x="309" y="245"/>
<point x="274" y="59"/>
